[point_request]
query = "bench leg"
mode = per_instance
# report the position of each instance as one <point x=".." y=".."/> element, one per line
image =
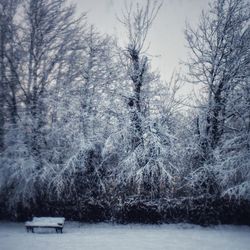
<point x="29" y="229"/>
<point x="58" y="230"/>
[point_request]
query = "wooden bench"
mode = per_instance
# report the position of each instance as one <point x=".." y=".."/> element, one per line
<point x="45" y="222"/>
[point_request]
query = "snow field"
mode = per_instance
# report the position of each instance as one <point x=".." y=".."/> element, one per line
<point x="104" y="236"/>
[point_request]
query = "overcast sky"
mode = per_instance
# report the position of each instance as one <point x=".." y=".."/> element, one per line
<point x="166" y="37"/>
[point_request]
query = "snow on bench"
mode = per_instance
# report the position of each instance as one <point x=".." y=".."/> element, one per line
<point x="45" y="222"/>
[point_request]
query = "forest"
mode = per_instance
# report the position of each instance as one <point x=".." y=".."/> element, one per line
<point x="89" y="131"/>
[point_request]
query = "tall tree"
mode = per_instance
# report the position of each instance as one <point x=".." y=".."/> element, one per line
<point x="217" y="61"/>
<point x="137" y="22"/>
<point x="51" y="33"/>
<point x="220" y="62"/>
<point x="45" y="40"/>
<point x="8" y="84"/>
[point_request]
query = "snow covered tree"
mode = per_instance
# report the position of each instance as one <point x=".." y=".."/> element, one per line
<point x="143" y="146"/>
<point x="9" y="85"/>
<point x="83" y="117"/>
<point x="48" y="34"/>
<point x="137" y="22"/>
<point x="218" y="61"/>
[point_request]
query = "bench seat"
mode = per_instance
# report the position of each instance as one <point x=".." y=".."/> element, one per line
<point x="45" y="222"/>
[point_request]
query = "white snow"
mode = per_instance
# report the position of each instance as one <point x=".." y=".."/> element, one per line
<point x="103" y="236"/>
<point x="46" y="221"/>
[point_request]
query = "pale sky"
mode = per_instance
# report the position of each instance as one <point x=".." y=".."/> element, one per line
<point x="166" y="37"/>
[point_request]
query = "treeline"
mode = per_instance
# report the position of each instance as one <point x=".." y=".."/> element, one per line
<point x="90" y="132"/>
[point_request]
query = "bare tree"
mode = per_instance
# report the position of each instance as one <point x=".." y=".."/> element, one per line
<point x="137" y="22"/>
<point x="50" y="34"/>
<point x="145" y="141"/>
<point x="8" y="86"/>
<point x="217" y="61"/>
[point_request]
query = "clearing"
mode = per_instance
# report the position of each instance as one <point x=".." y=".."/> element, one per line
<point x="77" y="236"/>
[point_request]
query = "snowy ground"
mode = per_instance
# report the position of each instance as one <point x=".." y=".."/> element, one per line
<point x="123" y="237"/>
